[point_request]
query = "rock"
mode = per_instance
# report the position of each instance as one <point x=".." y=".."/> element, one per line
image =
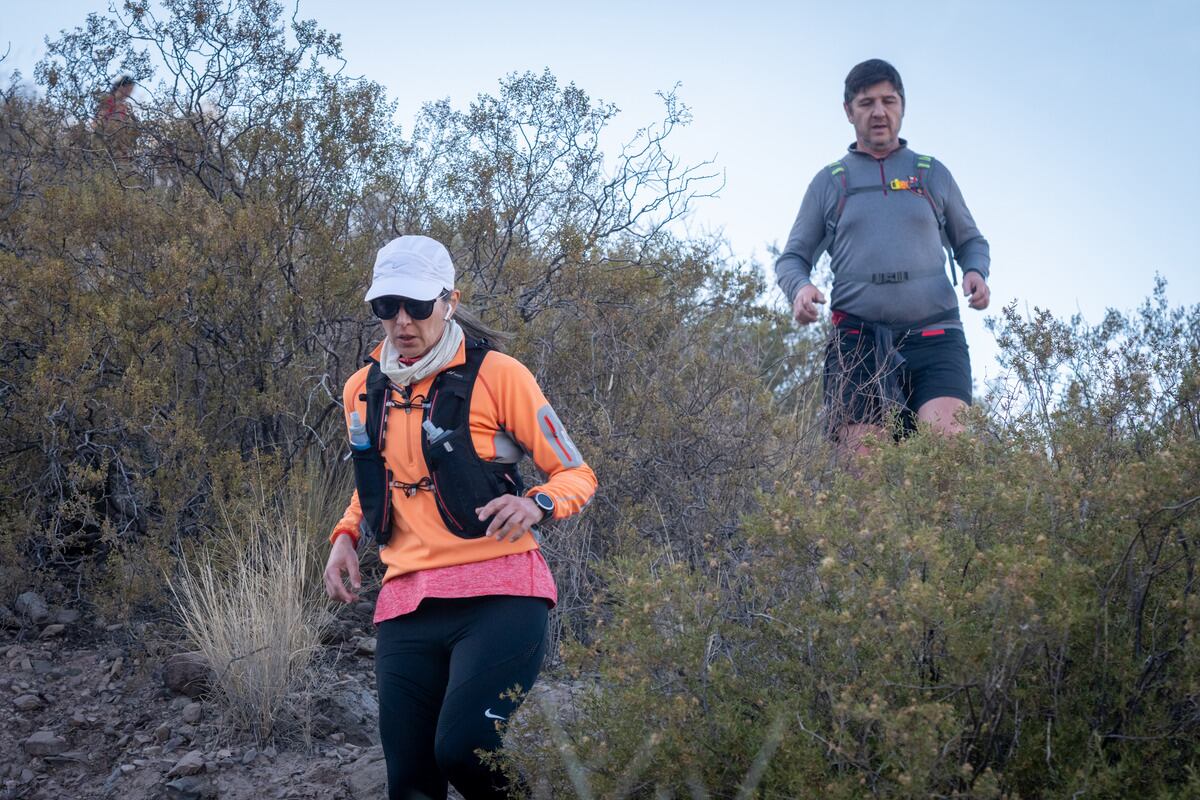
<point x="45" y="743"/>
<point x="192" y="787"/>
<point x="191" y="764"/>
<point x="172" y="743"/>
<point x="41" y="667"/>
<point x="27" y="776"/>
<point x="368" y="775"/>
<point x="186" y="730"/>
<point x="191" y="712"/>
<point x="353" y="710"/>
<point x="32" y="607"/>
<point x="162" y="733"/>
<point x="333" y="631"/>
<point x="187" y="674"/>
<point x="127" y="768"/>
<point x="249" y="756"/>
<point x="28" y="702"/>
<point x="66" y="616"/>
<point x="270" y="752"/>
<point x="73" y="757"/>
<point x="321" y="725"/>
<point x="52" y="630"/>
<point x="365" y="646"/>
<point x="8" y="619"/>
<point x="115" y="775"/>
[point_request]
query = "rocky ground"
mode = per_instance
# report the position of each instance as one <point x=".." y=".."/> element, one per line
<point x="96" y="710"/>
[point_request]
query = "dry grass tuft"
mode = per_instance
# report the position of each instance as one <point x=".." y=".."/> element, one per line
<point x="249" y="602"/>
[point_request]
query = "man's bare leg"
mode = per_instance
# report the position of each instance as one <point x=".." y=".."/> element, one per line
<point x="943" y="414"/>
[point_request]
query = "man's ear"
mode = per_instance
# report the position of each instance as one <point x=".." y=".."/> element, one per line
<point x="846" y="108"/>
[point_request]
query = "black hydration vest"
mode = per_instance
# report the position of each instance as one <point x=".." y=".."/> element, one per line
<point x="460" y="480"/>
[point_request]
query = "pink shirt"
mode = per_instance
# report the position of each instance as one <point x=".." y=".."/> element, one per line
<point x="520" y="575"/>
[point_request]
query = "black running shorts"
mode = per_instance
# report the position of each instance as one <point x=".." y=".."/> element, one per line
<point x="936" y="364"/>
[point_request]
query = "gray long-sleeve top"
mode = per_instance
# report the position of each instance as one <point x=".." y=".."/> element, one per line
<point x="883" y="232"/>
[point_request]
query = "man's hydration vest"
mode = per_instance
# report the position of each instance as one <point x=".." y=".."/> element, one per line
<point x="916" y="183"/>
<point x="460" y="480"/>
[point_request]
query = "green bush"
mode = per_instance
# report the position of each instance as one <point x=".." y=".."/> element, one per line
<point x="1008" y="613"/>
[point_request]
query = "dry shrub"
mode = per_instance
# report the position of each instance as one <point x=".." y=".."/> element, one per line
<point x="250" y="603"/>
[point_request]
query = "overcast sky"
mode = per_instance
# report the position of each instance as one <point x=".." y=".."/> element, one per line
<point x="1068" y="125"/>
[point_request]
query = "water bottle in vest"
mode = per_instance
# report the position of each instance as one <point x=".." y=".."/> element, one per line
<point x="359" y="440"/>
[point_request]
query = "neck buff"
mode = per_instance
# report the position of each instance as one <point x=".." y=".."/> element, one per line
<point x="438" y="356"/>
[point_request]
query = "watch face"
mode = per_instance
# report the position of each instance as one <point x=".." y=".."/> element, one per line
<point x="544" y="502"/>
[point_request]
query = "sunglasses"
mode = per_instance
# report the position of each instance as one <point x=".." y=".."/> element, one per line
<point x="388" y="306"/>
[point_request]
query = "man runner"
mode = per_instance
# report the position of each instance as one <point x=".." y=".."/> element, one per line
<point x="884" y="213"/>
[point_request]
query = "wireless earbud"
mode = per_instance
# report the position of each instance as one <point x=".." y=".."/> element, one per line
<point x="449" y="314"/>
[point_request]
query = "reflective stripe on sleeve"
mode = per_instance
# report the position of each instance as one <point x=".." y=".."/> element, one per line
<point x="557" y="438"/>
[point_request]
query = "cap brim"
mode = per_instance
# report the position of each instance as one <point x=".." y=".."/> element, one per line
<point x="405" y="287"/>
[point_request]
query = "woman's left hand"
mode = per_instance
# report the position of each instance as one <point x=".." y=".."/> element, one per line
<point x="512" y="517"/>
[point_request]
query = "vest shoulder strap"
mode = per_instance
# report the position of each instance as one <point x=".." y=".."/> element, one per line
<point x="450" y="394"/>
<point x="458" y="381"/>
<point x="837" y="173"/>
<point x="922" y="165"/>
<point x="375" y="395"/>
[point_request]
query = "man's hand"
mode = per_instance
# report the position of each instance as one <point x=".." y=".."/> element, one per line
<point x="804" y="309"/>
<point x="511" y="516"/>
<point x="975" y="288"/>
<point x="343" y="560"/>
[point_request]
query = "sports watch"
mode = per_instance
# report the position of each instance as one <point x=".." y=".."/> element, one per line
<point x="545" y="502"/>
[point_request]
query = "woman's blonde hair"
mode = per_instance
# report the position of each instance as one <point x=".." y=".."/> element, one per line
<point x="476" y="328"/>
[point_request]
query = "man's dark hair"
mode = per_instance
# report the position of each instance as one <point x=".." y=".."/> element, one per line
<point x="869" y="73"/>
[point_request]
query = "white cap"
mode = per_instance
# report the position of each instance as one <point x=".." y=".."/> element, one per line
<point x="412" y="266"/>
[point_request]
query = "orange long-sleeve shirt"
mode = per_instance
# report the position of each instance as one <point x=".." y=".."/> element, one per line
<point x="508" y="411"/>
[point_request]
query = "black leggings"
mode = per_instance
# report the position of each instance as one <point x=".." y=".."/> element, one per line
<point x="441" y="671"/>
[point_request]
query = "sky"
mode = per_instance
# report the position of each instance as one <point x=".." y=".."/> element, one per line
<point x="1060" y="121"/>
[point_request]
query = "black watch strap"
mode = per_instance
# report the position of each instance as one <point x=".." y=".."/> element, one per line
<point x="545" y="502"/>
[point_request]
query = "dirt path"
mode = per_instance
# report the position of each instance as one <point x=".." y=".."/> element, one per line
<point x="87" y="714"/>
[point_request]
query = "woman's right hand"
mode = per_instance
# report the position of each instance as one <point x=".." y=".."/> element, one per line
<point x="343" y="561"/>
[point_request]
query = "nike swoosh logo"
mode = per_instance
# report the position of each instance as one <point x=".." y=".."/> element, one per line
<point x="490" y="715"/>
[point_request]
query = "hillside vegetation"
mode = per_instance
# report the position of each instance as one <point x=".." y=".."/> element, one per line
<point x="1009" y="613"/>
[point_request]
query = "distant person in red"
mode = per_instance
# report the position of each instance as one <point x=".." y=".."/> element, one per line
<point x="114" y="116"/>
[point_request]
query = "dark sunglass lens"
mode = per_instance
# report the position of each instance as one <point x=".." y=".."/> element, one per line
<point x="388" y="306"/>
<point x="385" y="307"/>
<point x="419" y="309"/>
